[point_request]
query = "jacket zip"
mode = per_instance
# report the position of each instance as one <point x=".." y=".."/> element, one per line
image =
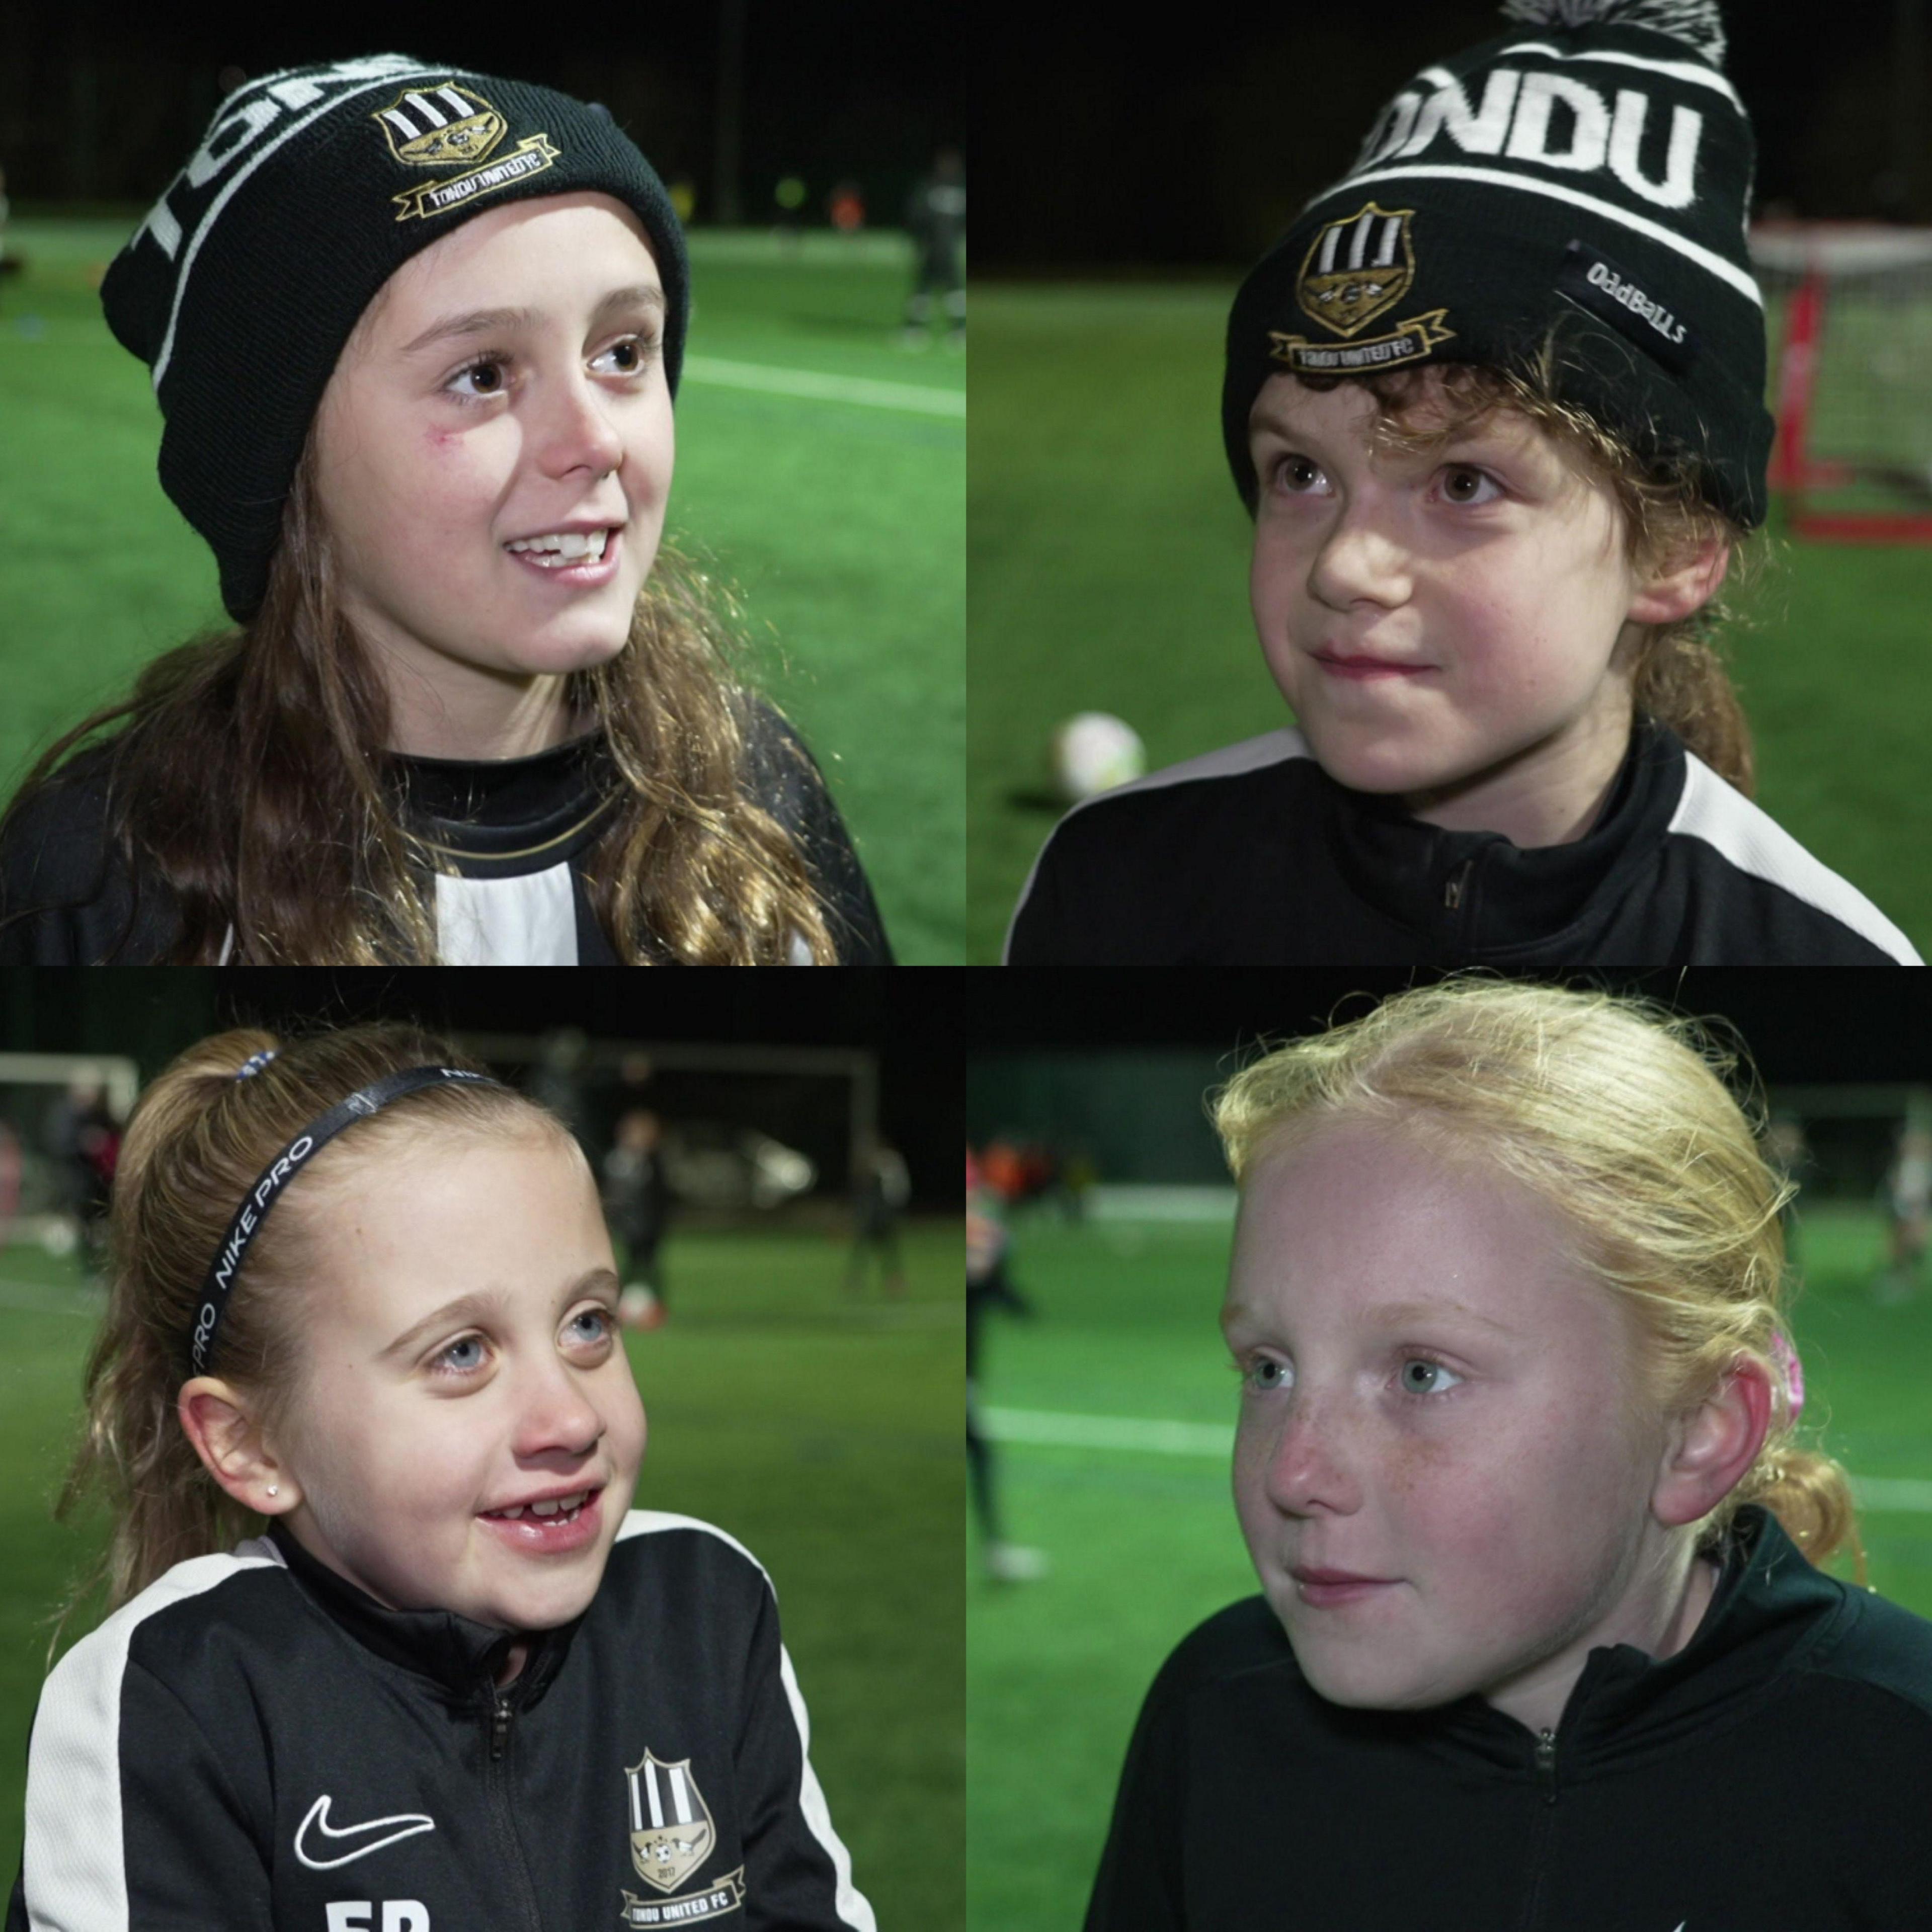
<point x="1545" y="1827"/>
<point x="497" y="1781"/>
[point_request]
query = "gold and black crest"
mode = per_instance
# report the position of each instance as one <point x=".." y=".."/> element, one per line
<point x="672" y="1834"/>
<point x="447" y="124"/>
<point x="1356" y="270"/>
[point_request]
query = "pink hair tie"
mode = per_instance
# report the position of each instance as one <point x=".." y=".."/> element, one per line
<point x="1785" y="1356"/>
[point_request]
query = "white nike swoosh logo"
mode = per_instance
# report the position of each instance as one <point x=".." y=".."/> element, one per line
<point x="407" y="1825"/>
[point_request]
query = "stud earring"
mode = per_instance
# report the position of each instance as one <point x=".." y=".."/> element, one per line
<point x="274" y="1490"/>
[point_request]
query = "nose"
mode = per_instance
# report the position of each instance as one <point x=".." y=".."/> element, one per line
<point x="1304" y="1463"/>
<point x="557" y="1415"/>
<point x="1359" y="562"/>
<point x="573" y="430"/>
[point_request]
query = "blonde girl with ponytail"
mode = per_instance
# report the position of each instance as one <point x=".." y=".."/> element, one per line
<point x="1522" y="1465"/>
<point x="385" y="1642"/>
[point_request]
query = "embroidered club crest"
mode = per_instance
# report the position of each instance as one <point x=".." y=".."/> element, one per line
<point x="1357" y="269"/>
<point x="671" y="1832"/>
<point x="446" y="124"/>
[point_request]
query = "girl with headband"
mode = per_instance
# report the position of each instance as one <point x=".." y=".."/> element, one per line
<point x="388" y="1646"/>
<point x="415" y="333"/>
<point x="1540" y="1642"/>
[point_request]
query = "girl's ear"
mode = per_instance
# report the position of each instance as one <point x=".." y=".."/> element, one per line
<point x="1686" y="584"/>
<point x="214" y="1419"/>
<point x="1714" y="1449"/>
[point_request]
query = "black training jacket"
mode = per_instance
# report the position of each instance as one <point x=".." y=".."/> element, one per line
<point x="516" y="832"/>
<point x="253" y="1743"/>
<point x="1254" y="856"/>
<point x="1772" y="1777"/>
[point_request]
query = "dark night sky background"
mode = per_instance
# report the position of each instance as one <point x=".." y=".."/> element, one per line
<point x="1800" y="1026"/>
<point x="102" y="101"/>
<point x="1096" y="141"/>
<point x="151" y="1014"/>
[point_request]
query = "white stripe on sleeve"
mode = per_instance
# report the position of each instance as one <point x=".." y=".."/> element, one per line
<point x="76" y="1881"/>
<point x="851" y="1904"/>
<point x="1755" y="843"/>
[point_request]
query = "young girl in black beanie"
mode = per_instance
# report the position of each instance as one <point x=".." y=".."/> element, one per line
<point x="1494" y="402"/>
<point x="416" y="332"/>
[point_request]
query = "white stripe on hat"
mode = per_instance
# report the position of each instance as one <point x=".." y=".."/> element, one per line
<point x="221" y="201"/>
<point x="1358" y="242"/>
<point x="637" y="1809"/>
<point x="1330" y="242"/>
<point x="1689" y="70"/>
<point x="1728" y="272"/>
<point x="401" y="122"/>
<point x="464" y="109"/>
<point x="423" y="108"/>
<point x="680" y="1798"/>
<point x="651" y="1791"/>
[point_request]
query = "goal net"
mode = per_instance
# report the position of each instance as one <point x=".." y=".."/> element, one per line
<point x="1848" y="307"/>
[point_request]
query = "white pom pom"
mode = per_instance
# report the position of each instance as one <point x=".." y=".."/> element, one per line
<point x="1696" y="23"/>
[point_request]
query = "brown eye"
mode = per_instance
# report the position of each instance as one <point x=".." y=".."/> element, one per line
<point x="1465" y="485"/>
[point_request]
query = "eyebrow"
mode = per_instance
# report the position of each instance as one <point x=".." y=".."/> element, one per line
<point x="1386" y="1315"/>
<point x="489" y="321"/>
<point x="1482" y="434"/>
<point x="481" y="1304"/>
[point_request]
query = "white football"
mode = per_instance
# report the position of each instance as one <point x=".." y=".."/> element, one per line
<point x="1094" y="752"/>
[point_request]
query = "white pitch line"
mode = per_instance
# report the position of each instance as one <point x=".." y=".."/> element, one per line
<point x="1043" y="1427"/>
<point x="823" y="387"/>
<point x="1047" y="1429"/>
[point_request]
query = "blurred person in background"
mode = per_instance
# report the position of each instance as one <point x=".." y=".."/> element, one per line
<point x="880" y="1189"/>
<point x="637" y="1203"/>
<point x="936" y="220"/>
<point x="987" y="1287"/>
<point x="1908" y="1200"/>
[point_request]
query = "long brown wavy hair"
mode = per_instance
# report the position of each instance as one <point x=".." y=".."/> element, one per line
<point x="1678" y="676"/>
<point x="299" y="850"/>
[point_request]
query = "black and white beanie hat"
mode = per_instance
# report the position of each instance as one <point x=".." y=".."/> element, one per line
<point x="313" y="186"/>
<point x="1591" y="173"/>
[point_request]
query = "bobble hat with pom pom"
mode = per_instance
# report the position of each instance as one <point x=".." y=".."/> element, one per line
<point x="1583" y="182"/>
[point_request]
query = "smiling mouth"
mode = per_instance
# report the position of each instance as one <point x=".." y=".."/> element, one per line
<point x="558" y="552"/>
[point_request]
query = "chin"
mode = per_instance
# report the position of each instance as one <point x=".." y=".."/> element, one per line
<point x="582" y="644"/>
<point x="1374" y="763"/>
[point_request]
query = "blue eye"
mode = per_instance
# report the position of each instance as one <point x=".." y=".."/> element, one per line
<point x="1429" y="1368"/>
<point x="1264" y="1374"/>
<point x="462" y="1368"/>
<point x="602" y="1316"/>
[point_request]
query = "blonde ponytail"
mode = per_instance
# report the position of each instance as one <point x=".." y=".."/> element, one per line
<point x="195" y="1143"/>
